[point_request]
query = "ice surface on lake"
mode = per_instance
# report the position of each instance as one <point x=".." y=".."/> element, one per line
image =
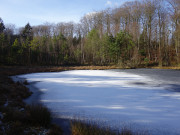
<point x="112" y="97"/>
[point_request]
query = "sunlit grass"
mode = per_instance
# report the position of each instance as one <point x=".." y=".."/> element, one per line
<point x="79" y="127"/>
<point x="176" y="68"/>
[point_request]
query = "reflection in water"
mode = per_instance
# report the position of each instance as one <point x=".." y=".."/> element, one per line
<point x="115" y="97"/>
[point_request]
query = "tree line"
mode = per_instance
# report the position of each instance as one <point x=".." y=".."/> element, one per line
<point x="137" y="33"/>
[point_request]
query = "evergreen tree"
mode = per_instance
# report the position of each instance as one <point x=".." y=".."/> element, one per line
<point x="27" y="32"/>
<point x="2" y="27"/>
<point x="124" y="43"/>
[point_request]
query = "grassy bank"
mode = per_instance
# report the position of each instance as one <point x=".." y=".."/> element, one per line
<point x="16" y="70"/>
<point x="175" y="68"/>
<point x="17" y="118"/>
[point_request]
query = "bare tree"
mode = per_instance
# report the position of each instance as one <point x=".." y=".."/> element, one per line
<point x="175" y="17"/>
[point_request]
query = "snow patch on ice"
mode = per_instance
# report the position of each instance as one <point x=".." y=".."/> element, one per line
<point x="93" y="78"/>
<point x="111" y="96"/>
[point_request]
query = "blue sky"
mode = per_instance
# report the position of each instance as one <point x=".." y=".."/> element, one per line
<point x="20" y="12"/>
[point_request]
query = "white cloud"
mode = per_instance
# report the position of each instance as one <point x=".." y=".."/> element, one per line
<point x="108" y="3"/>
<point x="91" y="13"/>
<point x="112" y="4"/>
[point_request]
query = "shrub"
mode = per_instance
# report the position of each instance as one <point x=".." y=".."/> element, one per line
<point x="146" y="61"/>
<point x="25" y="82"/>
<point x="38" y="115"/>
<point x="55" y="130"/>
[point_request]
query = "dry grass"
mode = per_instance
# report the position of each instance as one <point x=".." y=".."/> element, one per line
<point x="175" y="68"/>
<point x="90" y="128"/>
<point x="38" y="115"/>
<point x="80" y="128"/>
<point x="16" y="70"/>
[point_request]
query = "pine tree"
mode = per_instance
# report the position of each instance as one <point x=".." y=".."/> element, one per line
<point x="2" y="27"/>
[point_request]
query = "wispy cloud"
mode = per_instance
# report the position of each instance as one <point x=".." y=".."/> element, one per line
<point x="111" y="4"/>
<point x="108" y="3"/>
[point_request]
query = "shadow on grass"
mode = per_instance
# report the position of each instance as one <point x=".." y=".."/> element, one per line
<point x="38" y="115"/>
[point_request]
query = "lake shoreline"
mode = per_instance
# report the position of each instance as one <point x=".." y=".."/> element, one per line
<point x="11" y="71"/>
<point x="35" y="99"/>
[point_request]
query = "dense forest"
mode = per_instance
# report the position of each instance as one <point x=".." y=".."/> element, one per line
<point x="137" y="33"/>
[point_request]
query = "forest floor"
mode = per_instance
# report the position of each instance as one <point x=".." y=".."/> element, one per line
<point x="13" y="110"/>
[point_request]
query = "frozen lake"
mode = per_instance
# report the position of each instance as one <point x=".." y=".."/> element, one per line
<point x="147" y="99"/>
